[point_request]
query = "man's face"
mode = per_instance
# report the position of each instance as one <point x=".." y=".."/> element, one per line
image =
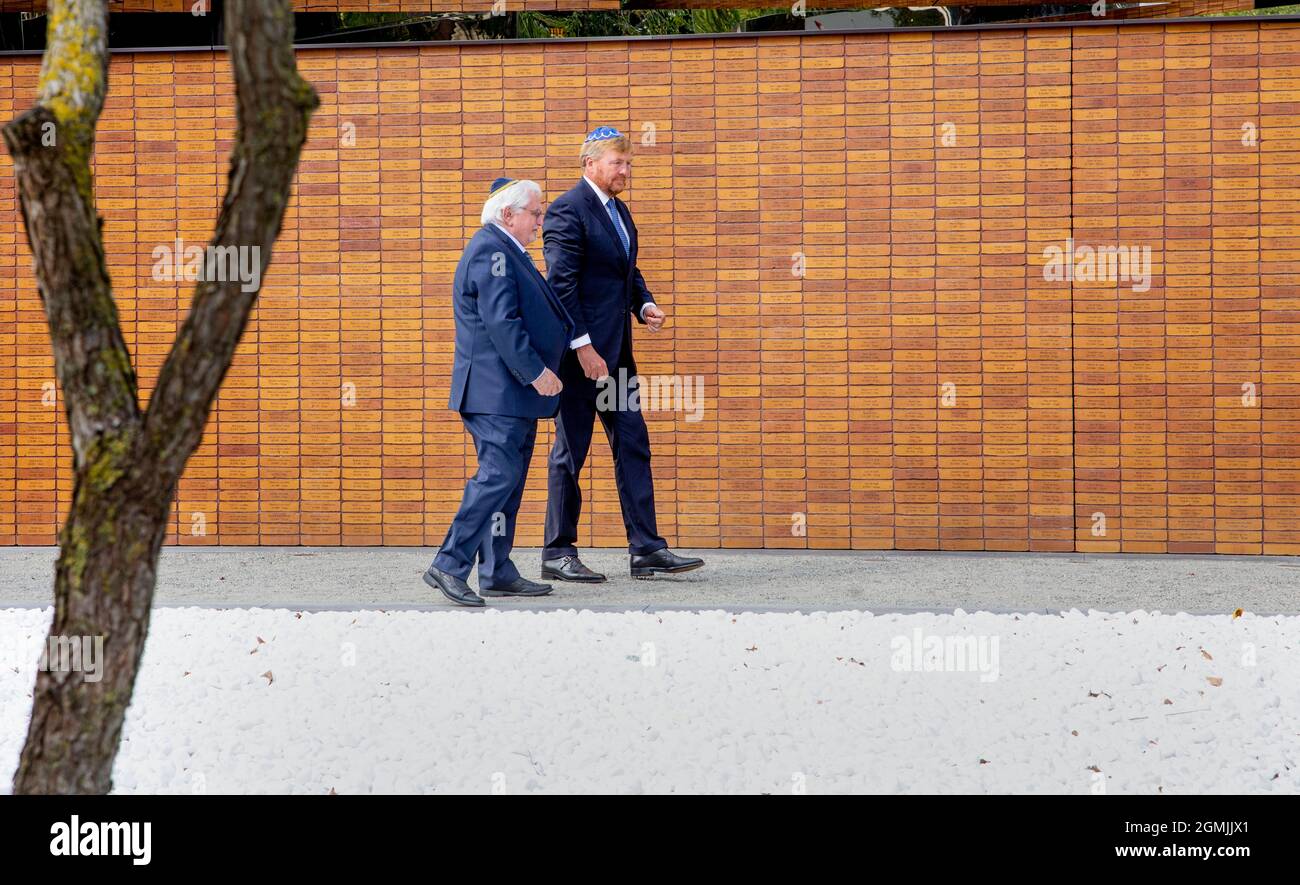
<point x="524" y="223"/>
<point x="611" y="170"/>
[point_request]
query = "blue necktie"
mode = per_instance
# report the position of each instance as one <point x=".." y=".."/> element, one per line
<point x="618" y="226"/>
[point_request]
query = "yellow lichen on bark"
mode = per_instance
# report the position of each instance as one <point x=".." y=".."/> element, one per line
<point x="73" y="81"/>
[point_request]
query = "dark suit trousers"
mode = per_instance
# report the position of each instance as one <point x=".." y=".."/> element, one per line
<point x="629" y="442"/>
<point x="485" y="524"/>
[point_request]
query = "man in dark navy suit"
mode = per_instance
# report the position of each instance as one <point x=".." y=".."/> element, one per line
<point x="511" y="331"/>
<point x="590" y="244"/>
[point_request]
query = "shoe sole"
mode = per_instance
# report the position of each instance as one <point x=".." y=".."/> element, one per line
<point x="436" y="586"/>
<point x="651" y="571"/>
<point x="515" y="592"/>
<point x="556" y="576"/>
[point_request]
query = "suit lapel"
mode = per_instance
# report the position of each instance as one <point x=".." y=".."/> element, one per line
<point x="554" y="299"/>
<point x="514" y="250"/>
<point x="593" y="203"/>
<point x="527" y="261"/>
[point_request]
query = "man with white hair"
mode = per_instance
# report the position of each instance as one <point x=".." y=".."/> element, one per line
<point x="511" y="330"/>
<point x="590" y="248"/>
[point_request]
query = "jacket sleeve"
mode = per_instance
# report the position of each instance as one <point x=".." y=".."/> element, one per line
<point x="563" y="244"/>
<point x="640" y="292"/>
<point x="498" y="306"/>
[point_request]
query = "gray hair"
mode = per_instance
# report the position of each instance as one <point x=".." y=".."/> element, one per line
<point x="514" y="196"/>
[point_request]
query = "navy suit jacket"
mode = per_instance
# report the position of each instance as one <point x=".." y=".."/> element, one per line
<point x="585" y="264"/>
<point x="509" y="325"/>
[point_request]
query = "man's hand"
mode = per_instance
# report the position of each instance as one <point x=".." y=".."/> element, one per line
<point x="654" y="318"/>
<point x="549" y="384"/>
<point x="592" y="365"/>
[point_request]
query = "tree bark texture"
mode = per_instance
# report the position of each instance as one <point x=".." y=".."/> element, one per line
<point x="127" y="461"/>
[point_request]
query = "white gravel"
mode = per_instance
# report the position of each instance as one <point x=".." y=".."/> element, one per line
<point x="567" y="701"/>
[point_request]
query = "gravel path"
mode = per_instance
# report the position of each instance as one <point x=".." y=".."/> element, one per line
<point x="749" y="580"/>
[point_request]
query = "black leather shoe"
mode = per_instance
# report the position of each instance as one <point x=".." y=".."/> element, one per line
<point x="663" y="562"/>
<point x="520" y="586"/>
<point x="570" y="568"/>
<point x="452" y="587"/>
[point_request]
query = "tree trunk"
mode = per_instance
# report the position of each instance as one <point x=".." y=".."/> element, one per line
<point x="127" y="462"/>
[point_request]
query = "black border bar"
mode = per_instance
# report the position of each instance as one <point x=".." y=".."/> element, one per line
<point x="732" y="35"/>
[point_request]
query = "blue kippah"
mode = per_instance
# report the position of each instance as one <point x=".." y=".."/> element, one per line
<point x="498" y="184"/>
<point x="600" y="133"/>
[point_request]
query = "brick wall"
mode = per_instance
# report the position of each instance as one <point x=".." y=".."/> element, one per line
<point x="922" y="385"/>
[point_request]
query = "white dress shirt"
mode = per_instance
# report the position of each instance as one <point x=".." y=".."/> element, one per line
<point x="604" y="198"/>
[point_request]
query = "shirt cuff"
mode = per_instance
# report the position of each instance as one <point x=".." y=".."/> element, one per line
<point x="648" y="304"/>
<point x="579" y="342"/>
<point x="538" y="378"/>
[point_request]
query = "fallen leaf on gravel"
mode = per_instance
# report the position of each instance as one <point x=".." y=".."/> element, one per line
<point x="1206" y="655"/>
<point x="1216" y="681"/>
<point x="1236" y="614"/>
<point x="268" y="677"/>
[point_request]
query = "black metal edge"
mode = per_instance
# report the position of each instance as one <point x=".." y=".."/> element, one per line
<point x="731" y="35"/>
